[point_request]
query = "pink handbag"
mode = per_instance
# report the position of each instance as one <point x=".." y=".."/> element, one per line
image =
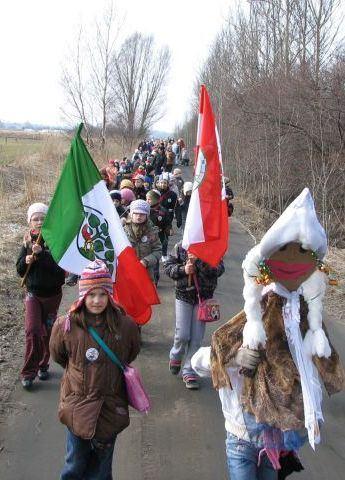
<point x="137" y="397"/>
<point x="209" y="310"/>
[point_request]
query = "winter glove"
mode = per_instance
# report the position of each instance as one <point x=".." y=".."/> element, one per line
<point x="248" y="360"/>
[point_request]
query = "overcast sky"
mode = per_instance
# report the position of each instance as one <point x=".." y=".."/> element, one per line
<point x="34" y="39"/>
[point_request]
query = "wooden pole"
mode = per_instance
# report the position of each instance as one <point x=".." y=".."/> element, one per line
<point x="22" y="283"/>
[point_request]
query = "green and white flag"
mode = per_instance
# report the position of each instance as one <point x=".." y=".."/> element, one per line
<point x="81" y="221"/>
<point x="82" y="224"/>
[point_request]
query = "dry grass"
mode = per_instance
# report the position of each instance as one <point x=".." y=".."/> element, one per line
<point x="23" y="180"/>
<point x="255" y="220"/>
<point x="112" y="150"/>
<point x="335" y="299"/>
<point x="25" y="177"/>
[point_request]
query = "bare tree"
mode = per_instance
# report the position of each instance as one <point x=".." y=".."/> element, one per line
<point x="276" y="80"/>
<point x="87" y="74"/>
<point x="74" y="83"/>
<point x="101" y="54"/>
<point x="140" y="76"/>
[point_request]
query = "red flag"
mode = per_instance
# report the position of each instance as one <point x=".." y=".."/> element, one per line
<point x="206" y="232"/>
<point x="133" y="288"/>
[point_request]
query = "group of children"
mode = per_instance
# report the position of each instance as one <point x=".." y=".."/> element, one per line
<point x="166" y="194"/>
<point x="264" y="362"/>
<point x="93" y="402"/>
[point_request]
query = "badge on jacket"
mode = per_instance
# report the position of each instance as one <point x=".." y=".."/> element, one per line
<point x="92" y="354"/>
<point x="144" y="239"/>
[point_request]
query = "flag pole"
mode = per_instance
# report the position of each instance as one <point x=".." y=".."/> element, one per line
<point x="80" y="128"/>
<point x="22" y="283"/>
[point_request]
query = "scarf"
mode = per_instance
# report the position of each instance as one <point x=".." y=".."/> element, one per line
<point x="310" y="384"/>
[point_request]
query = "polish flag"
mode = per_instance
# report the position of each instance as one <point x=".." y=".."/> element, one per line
<point x="206" y="232"/>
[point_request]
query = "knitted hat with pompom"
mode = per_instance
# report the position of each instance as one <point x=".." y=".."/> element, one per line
<point x="95" y="275"/>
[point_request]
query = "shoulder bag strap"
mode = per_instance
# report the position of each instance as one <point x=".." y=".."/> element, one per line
<point x="163" y="197"/>
<point x="114" y="358"/>
<point x="196" y="283"/>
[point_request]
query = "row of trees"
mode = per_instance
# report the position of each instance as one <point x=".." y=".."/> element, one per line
<point x="276" y="75"/>
<point x="114" y="87"/>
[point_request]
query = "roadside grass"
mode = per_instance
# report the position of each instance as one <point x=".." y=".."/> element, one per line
<point x="29" y="171"/>
<point x="12" y="149"/>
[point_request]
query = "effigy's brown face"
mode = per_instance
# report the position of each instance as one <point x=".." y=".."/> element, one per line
<point x="291" y="265"/>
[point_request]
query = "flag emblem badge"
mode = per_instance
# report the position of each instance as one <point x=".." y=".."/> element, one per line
<point x="93" y="240"/>
<point x="200" y="170"/>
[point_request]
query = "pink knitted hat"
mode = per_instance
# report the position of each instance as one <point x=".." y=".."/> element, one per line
<point x="95" y="275"/>
<point x="127" y="195"/>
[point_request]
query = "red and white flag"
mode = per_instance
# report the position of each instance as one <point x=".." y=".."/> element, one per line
<point x="206" y="232"/>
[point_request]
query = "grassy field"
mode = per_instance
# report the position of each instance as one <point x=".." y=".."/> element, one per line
<point x="15" y="148"/>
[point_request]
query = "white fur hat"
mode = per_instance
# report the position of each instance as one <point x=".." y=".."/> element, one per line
<point x="187" y="187"/>
<point x="298" y="223"/>
<point x="37" y="208"/>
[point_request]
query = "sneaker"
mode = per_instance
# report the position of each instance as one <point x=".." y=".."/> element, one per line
<point x="43" y="374"/>
<point x="191" y="382"/>
<point x="27" y="383"/>
<point x="174" y="367"/>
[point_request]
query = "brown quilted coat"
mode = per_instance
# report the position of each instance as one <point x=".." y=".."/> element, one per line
<point x="93" y="399"/>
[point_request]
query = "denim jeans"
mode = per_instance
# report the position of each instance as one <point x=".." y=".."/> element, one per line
<point x="87" y="459"/>
<point x="189" y="334"/>
<point x="242" y="459"/>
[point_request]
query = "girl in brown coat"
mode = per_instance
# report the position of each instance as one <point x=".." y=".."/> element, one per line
<point x="93" y="399"/>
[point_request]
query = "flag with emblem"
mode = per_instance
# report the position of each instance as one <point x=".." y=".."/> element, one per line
<point x="82" y="224"/>
<point x="206" y="232"/>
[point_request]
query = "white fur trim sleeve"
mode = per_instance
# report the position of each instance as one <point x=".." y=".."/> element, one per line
<point x="315" y="340"/>
<point x="254" y="333"/>
<point x="201" y="362"/>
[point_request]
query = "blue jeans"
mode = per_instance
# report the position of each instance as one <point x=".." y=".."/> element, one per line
<point x="242" y="459"/>
<point x="87" y="459"/>
<point x="189" y="334"/>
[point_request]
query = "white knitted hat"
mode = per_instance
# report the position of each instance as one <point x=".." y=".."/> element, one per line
<point x="37" y="208"/>
<point x="187" y="187"/>
<point x="140" y="206"/>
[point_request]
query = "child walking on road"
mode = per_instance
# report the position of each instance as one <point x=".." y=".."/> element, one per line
<point x="189" y="331"/>
<point x="43" y="296"/>
<point x="93" y="398"/>
<point x="143" y="236"/>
